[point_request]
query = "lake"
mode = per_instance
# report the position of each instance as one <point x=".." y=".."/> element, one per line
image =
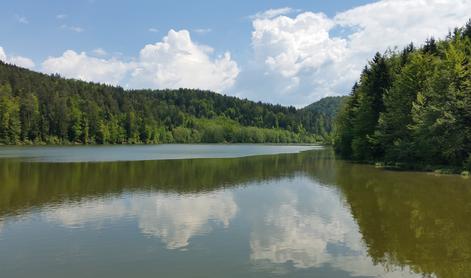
<point x="225" y="211"/>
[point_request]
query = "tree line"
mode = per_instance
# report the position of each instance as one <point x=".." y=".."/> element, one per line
<point x="412" y="108"/>
<point x="38" y="108"/>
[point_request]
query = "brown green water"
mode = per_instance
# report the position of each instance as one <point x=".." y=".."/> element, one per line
<point x="63" y="213"/>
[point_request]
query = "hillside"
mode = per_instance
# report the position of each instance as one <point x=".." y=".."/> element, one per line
<point x="328" y="106"/>
<point x="323" y="113"/>
<point x="412" y="107"/>
<point x="40" y="108"/>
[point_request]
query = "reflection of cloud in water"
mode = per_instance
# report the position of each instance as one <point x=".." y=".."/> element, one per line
<point x="302" y="241"/>
<point x="311" y="232"/>
<point x="289" y="234"/>
<point x="92" y="211"/>
<point x="173" y="218"/>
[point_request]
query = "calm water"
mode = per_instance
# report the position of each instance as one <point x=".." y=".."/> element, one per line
<point x="301" y="214"/>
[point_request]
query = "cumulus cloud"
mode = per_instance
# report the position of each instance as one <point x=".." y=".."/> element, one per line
<point x="272" y="13"/>
<point x="81" y="66"/>
<point x="390" y="23"/>
<point x="177" y="62"/>
<point x="16" y="60"/>
<point x="299" y="57"/>
<point x="287" y="45"/>
<point x="303" y="58"/>
<point x="99" y="52"/>
<point x="174" y="62"/>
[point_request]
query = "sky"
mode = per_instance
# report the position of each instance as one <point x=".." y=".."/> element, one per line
<point x="285" y="52"/>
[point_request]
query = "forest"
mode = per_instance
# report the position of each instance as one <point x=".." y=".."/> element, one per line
<point x="412" y="108"/>
<point x="36" y="108"/>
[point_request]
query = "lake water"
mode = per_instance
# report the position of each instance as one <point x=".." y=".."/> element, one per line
<point x="173" y="211"/>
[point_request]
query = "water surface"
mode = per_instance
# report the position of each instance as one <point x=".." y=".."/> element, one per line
<point x="100" y="153"/>
<point x="301" y="214"/>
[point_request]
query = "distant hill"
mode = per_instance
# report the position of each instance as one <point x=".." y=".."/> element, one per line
<point x="39" y="108"/>
<point x="320" y="115"/>
<point x="329" y="106"/>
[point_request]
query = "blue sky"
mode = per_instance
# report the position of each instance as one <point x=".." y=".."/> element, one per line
<point x="123" y="26"/>
<point x="288" y="52"/>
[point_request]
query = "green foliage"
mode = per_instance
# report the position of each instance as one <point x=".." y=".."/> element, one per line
<point x="39" y="108"/>
<point x="318" y="117"/>
<point x="412" y="106"/>
<point x="10" y="126"/>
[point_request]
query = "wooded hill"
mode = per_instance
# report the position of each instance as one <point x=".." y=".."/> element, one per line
<point x="412" y="107"/>
<point x="323" y="113"/>
<point x="40" y="108"/>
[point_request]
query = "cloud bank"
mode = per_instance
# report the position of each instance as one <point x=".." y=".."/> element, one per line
<point x="82" y="66"/>
<point x="297" y="56"/>
<point x="300" y="59"/>
<point x="174" y="62"/>
<point x="178" y="62"/>
<point x="17" y="60"/>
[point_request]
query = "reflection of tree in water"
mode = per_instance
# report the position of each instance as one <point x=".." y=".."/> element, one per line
<point x="27" y="184"/>
<point x="411" y="219"/>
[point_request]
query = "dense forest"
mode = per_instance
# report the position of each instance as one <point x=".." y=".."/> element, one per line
<point x="412" y="108"/>
<point x="38" y="108"/>
<point x="319" y="116"/>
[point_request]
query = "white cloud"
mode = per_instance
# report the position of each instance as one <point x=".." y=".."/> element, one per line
<point x="99" y="52"/>
<point x="287" y="45"/>
<point x="16" y="60"/>
<point x="419" y="20"/>
<point x="21" y="19"/>
<point x="272" y="13"/>
<point x="297" y="59"/>
<point x="174" y="62"/>
<point x="153" y="30"/>
<point x="177" y="62"/>
<point x="81" y="66"/>
<point x="61" y="16"/>
<point x="76" y="29"/>
<point x="303" y="58"/>
<point x="21" y="61"/>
